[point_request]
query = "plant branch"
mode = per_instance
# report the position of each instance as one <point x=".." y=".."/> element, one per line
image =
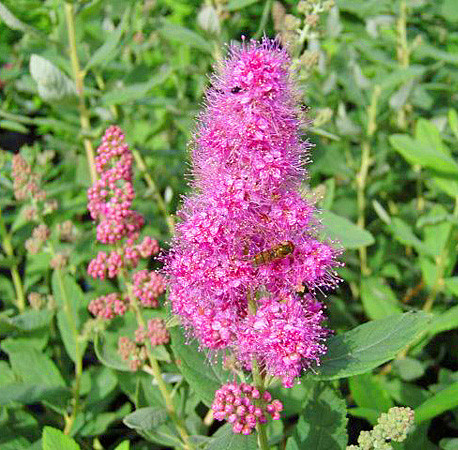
<point x="78" y="76"/>
<point x="8" y="249"/>
<point x="156" y="370"/>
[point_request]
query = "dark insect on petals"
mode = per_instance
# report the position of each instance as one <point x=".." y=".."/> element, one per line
<point x="236" y="90"/>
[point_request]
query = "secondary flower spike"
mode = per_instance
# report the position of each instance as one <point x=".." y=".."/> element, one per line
<point x="247" y="244"/>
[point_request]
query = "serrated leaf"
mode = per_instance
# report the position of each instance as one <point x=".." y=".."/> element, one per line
<point x="348" y="234"/>
<point x="53" y="85"/>
<point x="322" y="425"/>
<point x="444" y="400"/>
<point x="203" y="377"/>
<point x="370" y="344"/>
<point x="54" y="439"/>
<point x="378" y="299"/>
<point x="226" y="439"/>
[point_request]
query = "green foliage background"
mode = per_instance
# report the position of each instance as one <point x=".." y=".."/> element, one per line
<point x="381" y="80"/>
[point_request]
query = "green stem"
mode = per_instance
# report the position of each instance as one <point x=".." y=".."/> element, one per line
<point x="156" y="193"/>
<point x="260" y="427"/>
<point x="8" y="248"/>
<point x="156" y="370"/>
<point x="78" y="76"/>
<point x="258" y="381"/>
<point x="361" y="185"/>
<point x="78" y="357"/>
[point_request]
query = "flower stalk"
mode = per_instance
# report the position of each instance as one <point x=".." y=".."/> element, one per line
<point x="78" y="76"/>
<point x="8" y="249"/>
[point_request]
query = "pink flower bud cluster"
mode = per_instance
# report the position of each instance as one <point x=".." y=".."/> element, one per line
<point x="40" y="234"/>
<point x="25" y="182"/>
<point x="148" y="286"/>
<point x="130" y="352"/>
<point x="108" y="306"/>
<point x="156" y="333"/>
<point x="246" y="230"/>
<point x="27" y="186"/>
<point x="110" y="201"/>
<point x="243" y="407"/>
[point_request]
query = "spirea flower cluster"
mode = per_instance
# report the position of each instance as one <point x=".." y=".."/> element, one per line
<point x="247" y="247"/>
<point x="110" y="201"/>
<point x="243" y="406"/>
<point x="119" y="226"/>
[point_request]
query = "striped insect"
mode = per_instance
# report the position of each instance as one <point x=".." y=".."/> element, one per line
<point x="274" y="253"/>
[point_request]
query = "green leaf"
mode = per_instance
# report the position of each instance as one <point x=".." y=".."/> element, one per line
<point x="184" y="36"/>
<point x="449" y="444"/>
<point x="348" y="234"/>
<point x="378" y="299"/>
<point x="452" y="285"/>
<point x="444" y="400"/>
<point x="226" y="439"/>
<point x="54" y="439"/>
<point x="53" y="84"/>
<point x="453" y="121"/>
<point x="135" y="91"/>
<point x="11" y="20"/>
<point x="98" y="425"/>
<point x="322" y="425"/>
<point x="108" y="355"/>
<point x="66" y="290"/>
<point x="125" y="445"/>
<point x="234" y="5"/>
<point x="370" y="344"/>
<point x="368" y="392"/>
<point x="406" y="393"/>
<point x="409" y="368"/>
<point x="449" y="12"/>
<point x="446" y="321"/>
<point x="32" y="366"/>
<point x="427" y="133"/>
<point x="404" y="234"/>
<point x="32" y="320"/>
<point x="203" y="377"/>
<point x="13" y="126"/>
<point x="419" y="152"/>
<point x="146" y="418"/>
<point x="28" y="393"/>
<point x="106" y="52"/>
<point x="371" y="415"/>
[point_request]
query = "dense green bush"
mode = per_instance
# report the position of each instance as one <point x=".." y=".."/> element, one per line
<point x="381" y="81"/>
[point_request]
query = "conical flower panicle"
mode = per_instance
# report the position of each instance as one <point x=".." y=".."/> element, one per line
<point x="245" y="231"/>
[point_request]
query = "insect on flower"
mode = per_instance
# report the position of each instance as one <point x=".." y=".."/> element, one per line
<point x="277" y="252"/>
